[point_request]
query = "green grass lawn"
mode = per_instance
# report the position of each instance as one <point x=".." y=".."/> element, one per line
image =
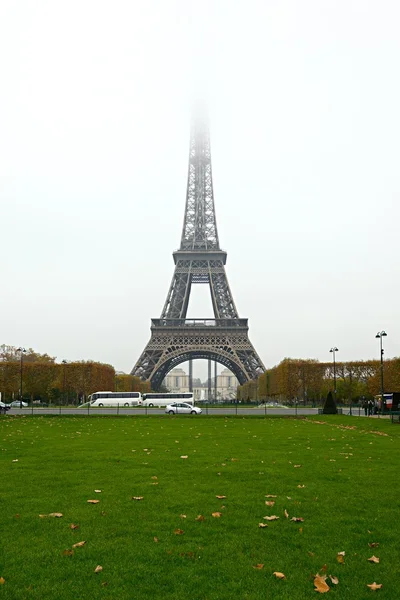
<point x="347" y="467"/>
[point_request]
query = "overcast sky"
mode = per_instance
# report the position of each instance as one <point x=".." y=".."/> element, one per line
<point x="95" y="103"/>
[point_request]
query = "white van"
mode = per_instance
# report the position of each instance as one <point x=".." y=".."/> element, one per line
<point x="110" y="399"/>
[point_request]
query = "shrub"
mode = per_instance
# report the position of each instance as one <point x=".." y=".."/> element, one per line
<point x="330" y="405"/>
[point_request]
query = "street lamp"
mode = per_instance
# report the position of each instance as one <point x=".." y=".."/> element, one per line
<point x="333" y="350"/>
<point x="22" y="351"/>
<point x="380" y="335"/>
<point x="64" y="362"/>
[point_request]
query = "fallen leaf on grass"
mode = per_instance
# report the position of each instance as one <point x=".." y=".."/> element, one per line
<point x="279" y="575"/>
<point x="286" y="514"/>
<point x="2" y="581"/>
<point x="74" y="526"/>
<point x="258" y="567"/>
<point x="301" y="486"/>
<point x="271" y="518"/>
<point x="68" y="552"/>
<point x="373" y="559"/>
<point x="155" y="539"/>
<point x="216" y="514"/>
<point x="184" y="456"/>
<point x="334" y="579"/>
<point x="200" y="518"/>
<point x="296" y="466"/>
<point x="262" y="525"/>
<point x="340" y="559"/>
<point x="179" y="532"/>
<point x="78" y="544"/>
<point x="137" y="497"/>
<point x="182" y="516"/>
<point x="374" y="586"/>
<point x="98" y="491"/>
<point x="271" y="496"/>
<point x="220" y="497"/>
<point x="93" y="501"/>
<point x="98" y="569"/>
<point x="154" y="477"/>
<point x="269" y="503"/>
<point x="320" y="584"/>
<point x="234" y="459"/>
<point x="57" y="515"/>
<point x="297" y="519"/>
<point x="342" y="553"/>
<point x="104" y="583"/>
<point x="373" y="544"/>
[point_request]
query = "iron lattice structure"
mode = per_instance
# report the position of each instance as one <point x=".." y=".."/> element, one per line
<point x="174" y="338"/>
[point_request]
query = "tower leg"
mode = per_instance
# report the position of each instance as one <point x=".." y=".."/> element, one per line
<point x="209" y="380"/>
<point x="190" y="375"/>
<point x="215" y="381"/>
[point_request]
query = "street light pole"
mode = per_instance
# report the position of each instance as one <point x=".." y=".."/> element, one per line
<point x="333" y="350"/>
<point x="380" y="335"/>
<point x="22" y="351"/>
<point x="64" y="362"/>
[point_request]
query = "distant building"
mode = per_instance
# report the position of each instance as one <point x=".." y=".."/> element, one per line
<point x="177" y="380"/>
<point x="226" y="385"/>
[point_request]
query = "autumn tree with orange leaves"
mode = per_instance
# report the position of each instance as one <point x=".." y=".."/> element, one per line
<point x="309" y="381"/>
<point x="68" y="382"/>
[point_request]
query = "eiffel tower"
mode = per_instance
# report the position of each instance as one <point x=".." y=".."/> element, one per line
<point x="174" y="338"/>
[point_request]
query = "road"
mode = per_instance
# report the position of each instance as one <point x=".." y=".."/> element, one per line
<point x="207" y="410"/>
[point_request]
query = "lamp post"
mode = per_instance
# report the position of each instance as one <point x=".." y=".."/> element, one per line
<point x="333" y="350"/>
<point x="64" y="362"/>
<point x="22" y="351"/>
<point x="380" y="335"/>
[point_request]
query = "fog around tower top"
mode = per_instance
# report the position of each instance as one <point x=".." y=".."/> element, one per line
<point x="302" y="104"/>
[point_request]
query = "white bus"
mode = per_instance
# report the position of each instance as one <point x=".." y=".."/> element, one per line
<point x="167" y="398"/>
<point x="115" y="399"/>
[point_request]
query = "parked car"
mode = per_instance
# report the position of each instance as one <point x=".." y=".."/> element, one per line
<point x="17" y="404"/>
<point x="40" y="403"/>
<point x="4" y="407"/>
<point x="182" y="408"/>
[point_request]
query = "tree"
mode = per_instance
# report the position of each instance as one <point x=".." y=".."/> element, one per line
<point x="131" y="383"/>
<point x="11" y="353"/>
<point x="330" y="405"/>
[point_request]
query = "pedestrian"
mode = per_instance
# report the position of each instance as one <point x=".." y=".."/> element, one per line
<point x="370" y="405"/>
<point x="365" y="407"/>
